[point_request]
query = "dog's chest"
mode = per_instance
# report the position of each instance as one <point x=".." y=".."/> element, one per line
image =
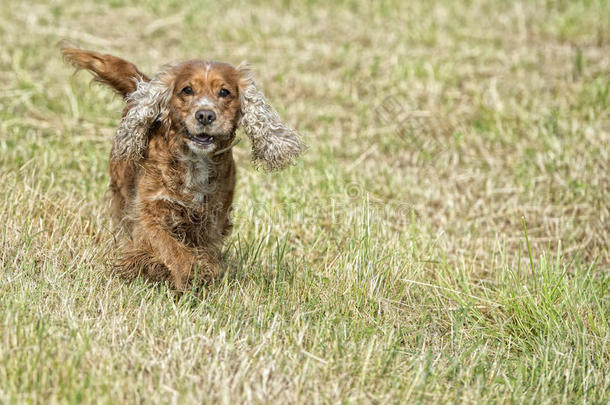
<point x="197" y="174"/>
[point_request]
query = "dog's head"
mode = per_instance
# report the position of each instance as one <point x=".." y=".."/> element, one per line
<point x="202" y="103"/>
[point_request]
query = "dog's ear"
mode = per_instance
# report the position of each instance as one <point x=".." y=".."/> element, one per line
<point x="148" y="104"/>
<point x="274" y="145"/>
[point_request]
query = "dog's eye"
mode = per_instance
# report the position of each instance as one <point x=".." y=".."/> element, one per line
<point x="187" y="90"/>
<point x="223" y="93"/>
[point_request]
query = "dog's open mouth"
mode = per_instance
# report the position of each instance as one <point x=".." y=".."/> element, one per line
<point x="200" y="139"/>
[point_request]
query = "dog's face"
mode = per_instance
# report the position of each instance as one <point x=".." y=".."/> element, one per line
<point x="202" y="103"/>
<point x="205" y="104"/>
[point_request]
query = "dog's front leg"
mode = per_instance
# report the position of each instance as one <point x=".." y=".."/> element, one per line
<point x="179" y="260"/>
<point x="184" y="264"/>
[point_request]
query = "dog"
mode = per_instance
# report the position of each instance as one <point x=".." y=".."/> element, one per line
<point x="172" y="172"/>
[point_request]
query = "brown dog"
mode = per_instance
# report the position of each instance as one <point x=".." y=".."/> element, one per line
<point x="172" y="173"/>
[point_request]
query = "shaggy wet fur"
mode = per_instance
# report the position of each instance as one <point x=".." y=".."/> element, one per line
<point x="172" y="173"/>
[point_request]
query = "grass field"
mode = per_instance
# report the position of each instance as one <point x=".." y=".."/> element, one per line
<point x="445" y="238"/>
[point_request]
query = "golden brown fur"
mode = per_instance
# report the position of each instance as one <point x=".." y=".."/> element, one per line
<point x="172" y="173"/>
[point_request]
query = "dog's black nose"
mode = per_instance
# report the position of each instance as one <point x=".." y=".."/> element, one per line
<point x="205" y="116"/>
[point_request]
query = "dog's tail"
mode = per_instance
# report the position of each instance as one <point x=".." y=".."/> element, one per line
<point x="117" y="73"/>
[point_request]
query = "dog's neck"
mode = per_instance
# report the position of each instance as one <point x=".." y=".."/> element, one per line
<point x="200" y="174"/>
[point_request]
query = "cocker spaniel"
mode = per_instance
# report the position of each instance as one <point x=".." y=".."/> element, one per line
<point x="172" y="173"/>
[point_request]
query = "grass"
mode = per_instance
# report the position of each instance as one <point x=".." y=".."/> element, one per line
<point x="445" y="239"/>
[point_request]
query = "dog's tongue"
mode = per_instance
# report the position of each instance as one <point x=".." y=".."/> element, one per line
<point x="203" y="139"/>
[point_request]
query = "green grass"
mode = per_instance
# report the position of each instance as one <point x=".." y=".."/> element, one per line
<point x="445" y="239"/>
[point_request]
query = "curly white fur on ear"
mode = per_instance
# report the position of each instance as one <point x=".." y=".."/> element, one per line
<point x="150" y="103"/>
<point x="273" y="143"/>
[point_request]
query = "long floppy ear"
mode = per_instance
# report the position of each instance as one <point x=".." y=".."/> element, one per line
<point x="274" y="145"/>
<point x="148" y="104"/>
